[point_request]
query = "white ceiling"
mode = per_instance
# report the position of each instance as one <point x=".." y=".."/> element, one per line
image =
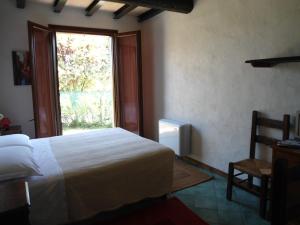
<point x="105" y="6"/>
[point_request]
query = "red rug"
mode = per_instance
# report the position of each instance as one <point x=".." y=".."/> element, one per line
<point x="169" y="212"/>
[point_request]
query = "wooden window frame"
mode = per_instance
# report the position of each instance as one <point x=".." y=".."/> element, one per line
<point x="82" y="30"/>
<point x="92" y="31"/>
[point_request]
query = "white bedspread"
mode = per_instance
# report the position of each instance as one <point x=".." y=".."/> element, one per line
<point x="88" y="173"/>
<point x="47" y="192"/>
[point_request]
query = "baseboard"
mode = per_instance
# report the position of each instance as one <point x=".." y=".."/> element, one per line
<point x="204" y="166"/>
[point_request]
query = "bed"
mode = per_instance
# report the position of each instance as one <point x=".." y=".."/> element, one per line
<point x="96" y="171"/>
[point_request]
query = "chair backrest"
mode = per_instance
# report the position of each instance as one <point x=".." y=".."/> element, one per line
<point x="283" y="176"/>
<point x="257" y="122"/>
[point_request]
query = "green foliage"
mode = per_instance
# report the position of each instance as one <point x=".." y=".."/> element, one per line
<point x="86" y="110"/>
<point x="82" y="63"/>
<point x="85" y="80"/>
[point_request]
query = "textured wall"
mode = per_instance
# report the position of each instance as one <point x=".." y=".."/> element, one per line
<point x="194" y="71"/>
<point x="193" y="67"/>
<point x="16" y="101"/>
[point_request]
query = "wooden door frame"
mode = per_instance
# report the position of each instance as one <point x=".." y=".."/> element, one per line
<point x="139" y="75"/>
<point x="30" y="25"/>
<point x="84" y="30"/>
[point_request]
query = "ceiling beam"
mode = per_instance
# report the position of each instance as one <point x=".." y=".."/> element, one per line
<point x="21" y="4"/>
<point x="59" y="5"/>
<point x="123" y="11"/>
<point x="181" y="6"/>
<point x="149" y="14"/>
<point x="92" y="8"/>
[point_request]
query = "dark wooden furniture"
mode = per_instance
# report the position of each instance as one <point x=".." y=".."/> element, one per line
<point x="58" y="5"/>
<point x="255" y="167"/>
<point x="11" y="130"/>
<point x="21" y="4"/>
<point x="272" y="61"/>
<point x="285" y="186"/>
<point x="156" y="7"/>
<point x="14" y="203"/>
<point x="92" y="8"/>
<point x="149" y="14"/>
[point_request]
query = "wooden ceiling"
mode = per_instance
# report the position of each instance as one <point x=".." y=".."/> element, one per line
<point x="143" y="9"/>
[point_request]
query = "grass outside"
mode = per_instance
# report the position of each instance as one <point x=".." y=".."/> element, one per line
<point x="67" y="131"/>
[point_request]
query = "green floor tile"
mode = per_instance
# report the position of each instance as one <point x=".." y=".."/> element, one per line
<point x="224" y="204"/>
<point x="228" y="217"/>
<point x="188" y="199"/>
<point x="208" y="215"/>
<point x="253" y="219"/>
<point x="208" y="200"/>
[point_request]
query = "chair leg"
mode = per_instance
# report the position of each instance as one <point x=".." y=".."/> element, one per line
<point x="250" y="181"/>
<point x="263" y="196"/>
<point x="230" y="181"/>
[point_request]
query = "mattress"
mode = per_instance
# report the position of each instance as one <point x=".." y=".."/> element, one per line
<point x="96" y="171"/>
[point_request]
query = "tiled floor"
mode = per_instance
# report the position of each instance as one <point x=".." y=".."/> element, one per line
<point x="208" y="200"/>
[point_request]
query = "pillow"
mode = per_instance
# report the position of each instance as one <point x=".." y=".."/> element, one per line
<point x="15" y="140"/>
<point x="17" y="162"/>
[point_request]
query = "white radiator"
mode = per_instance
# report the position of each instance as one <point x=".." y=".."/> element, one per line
<point x="175" y="135"/>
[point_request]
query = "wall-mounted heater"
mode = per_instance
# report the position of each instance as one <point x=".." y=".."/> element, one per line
<point x="175" y="135"/>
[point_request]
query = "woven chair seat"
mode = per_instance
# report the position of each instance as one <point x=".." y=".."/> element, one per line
<point x="254" y="167"/>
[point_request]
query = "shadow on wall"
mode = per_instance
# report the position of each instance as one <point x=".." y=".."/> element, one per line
<point x="196" y="142"/>
<point x="153" y="74"/>
<point x="154" y="33"/>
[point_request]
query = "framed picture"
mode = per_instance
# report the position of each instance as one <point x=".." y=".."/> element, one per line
<point x="21" y="66"/>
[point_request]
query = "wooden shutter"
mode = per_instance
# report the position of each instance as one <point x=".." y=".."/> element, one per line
<point x="130" y="81"/>
<point x="43" y="88"/>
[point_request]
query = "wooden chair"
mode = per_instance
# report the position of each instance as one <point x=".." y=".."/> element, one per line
<point x="254" y="167"/>
<point x="285" y="193"/>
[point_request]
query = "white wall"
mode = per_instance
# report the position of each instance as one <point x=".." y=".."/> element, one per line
<point x="16" y="101"/>
<point x="192" y="64"/>
<point x="194" y="71"/>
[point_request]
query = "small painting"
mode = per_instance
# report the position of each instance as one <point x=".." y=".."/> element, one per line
<point x="21" y="64"/>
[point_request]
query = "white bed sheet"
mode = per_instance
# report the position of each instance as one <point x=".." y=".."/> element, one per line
<point x="141" y="168"/>
<point x="47" y="192"/>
